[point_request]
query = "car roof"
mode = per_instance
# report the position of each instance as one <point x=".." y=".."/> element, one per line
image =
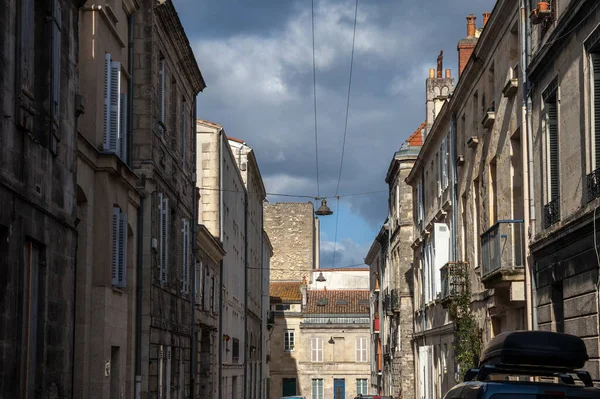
<point x="530" y="388"/>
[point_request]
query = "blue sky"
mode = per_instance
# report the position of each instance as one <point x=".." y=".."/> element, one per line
<point x="256" y="58"/>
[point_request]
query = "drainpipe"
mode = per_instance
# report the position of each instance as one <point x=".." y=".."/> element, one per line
<point x="138" y="300"/>
<point x="245" y="289"/>
<point x="262" y="311"/>
<point x="192" y="299"/>
<point x="129" y="155"/>
<point x="453" y="189"/>
<point x="220" y="333"/>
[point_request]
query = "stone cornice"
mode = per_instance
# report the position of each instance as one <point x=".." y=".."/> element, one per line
<point x="209" y="243"/>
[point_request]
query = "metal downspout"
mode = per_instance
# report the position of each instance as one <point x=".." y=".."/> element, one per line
<point x="262" y="312"/>
<point x="192" y="299"/>
<point x="129" y="155"/>
<point x="453" y="189"/>
<point x="246" y="346"/>
<point x="138" y="300"/>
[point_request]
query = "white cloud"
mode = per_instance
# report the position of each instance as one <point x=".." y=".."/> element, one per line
<point x="347" y="253"/>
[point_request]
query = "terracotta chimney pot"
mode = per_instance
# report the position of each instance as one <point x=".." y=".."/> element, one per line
<point x="486" y="18"/>
<point x="448" y="73"/>
<point x="432" y="73"/>
<point x="471" y="25"/>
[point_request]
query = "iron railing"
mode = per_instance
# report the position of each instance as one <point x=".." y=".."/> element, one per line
<point x="452" y="276"/>
<point x="593" y="185"/>
<point x="552" y="212"/>
<point x="502" y="246"/>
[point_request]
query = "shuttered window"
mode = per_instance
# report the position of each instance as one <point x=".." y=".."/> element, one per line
<point x="595" y="68"/>
<point x="361" y="349"/>
<point x="27" y="45"/>
<point x="185" y="255"/>
<point x="216" y="288"/>
<point x="184" y="131"/>
<point x="161" y="95"/>
<point x="316" y="349"/>
<point x="119" y="247"/>
<point x="163" y="226"/>
<point x="552" y="131"/>
<point x="115" y="110"/>
<point x="207" y="290"/>
<point x="56" y="58"/>
<point x="445" y="162"/>
<point x="198" y="283"/>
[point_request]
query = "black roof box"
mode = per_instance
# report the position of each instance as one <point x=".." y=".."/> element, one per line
<point x="535" y="348"/>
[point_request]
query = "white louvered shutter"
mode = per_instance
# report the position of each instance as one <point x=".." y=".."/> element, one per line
<point x="56" y="58"/>
<point x="161" y="93"/>
<point x="184" y="128"/>
<point x="197" y="282"/>
<point x="185" y="277"/>
<point x="207" y="289"/>
<point x="552" y="119"/>
<point x="115" y="106"/>
<point x="442" y="250"/>
<point x="163" y="237"/>
<point x="422" y="368"/>
<point x="596" y="107"/>
<point x="217" y="287"/>
<point x="445" y="161"/>
<point x="122" y="270"/>
<point x="115" y="245"/>
<point x="107" y="92"/>
<point x="123" y="129"/>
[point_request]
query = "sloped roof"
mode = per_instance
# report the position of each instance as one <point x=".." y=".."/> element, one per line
<point x="416" y="139"/>
<point x="285" y="291"/>
<point x="337" y="302"/>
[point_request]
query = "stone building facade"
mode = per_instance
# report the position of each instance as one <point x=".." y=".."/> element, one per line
<point x="319" y="344"/>
<point x="222" y="210"/>
<point x="209" y="256"/>
<point x="107" y="201"/>
<point x="294" y="233"/>
<point x="564" y="77"/>
<point x="166" y="80"/>
<point x="253" y="253"/>
<point x="39" y="89"/>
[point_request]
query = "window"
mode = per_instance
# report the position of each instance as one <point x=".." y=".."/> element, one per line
<point x="317" y="388"/>
<point x="115" y="110"/>
<point x="282" y="307"/>
<point x="185" y="255"/>
<point x="288" y="341"/>
<point x="184" y="131"/>
<point x="163" y="227"/>
<point x="316" y="349"/>
<point x="361" y="386"/>
<point x="595" y="89"/>
<point x="119" y="247"/>
<point x="32" y="255"/>
<point x="552" y="141"/>
<point x="208" y="292"/>
<point x="215" y="295"/>
<point x="236" y="350"/>
<point x="56" y="69"/>
<point x="361" y="349"/>
<point x="161" y="95"/>
<point x="198" y="283"/>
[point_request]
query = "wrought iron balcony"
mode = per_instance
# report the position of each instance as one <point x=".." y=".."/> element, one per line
<point x="552" y="212"/>
<point x="593" y="185"/>
<point x="502" y="247"/>
<point x="453" y="280"/>
<point x="396" y="300"/>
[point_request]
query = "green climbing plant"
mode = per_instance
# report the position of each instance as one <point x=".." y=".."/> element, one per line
<point x="467" y="334"/>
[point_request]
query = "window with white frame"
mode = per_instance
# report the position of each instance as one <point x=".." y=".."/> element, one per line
<point x="288" y="340"/>
<point x="119" y="247"/>
<point x="361" y="349"/>
<point x="163" y="228"/>
<point x="115" y="109"/>
<point x="361" y="386"/>
<point x="317" y="388"/>
<point x="316" y="349"/>
<point x="185" y="255"/>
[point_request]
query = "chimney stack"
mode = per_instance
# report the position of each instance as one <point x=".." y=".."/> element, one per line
<point x="440" y="64"/>
<point x="486" y="18"/>
<point x="471" y="25"/>
<point x="467" y="45"/>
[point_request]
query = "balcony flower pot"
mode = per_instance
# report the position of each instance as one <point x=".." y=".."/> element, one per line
<point x="543" y="7"/>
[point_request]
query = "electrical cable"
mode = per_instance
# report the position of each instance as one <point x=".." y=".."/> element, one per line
<point x="295" y="195"/>
<point x="315" y="95"/>
<point x="337" y="218"/>
<point x="348" y="100"/>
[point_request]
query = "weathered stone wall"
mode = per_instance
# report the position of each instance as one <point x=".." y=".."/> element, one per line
<point x="290" y="227"/>
<point x="37" y="201"/>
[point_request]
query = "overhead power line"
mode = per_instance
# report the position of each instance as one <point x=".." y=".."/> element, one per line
<point x="313" y="197"/>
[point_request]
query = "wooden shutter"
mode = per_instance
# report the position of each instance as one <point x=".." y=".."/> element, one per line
<point x="123" y="128"/>
<point x="445" y="161"/>
<point x="596" y="107"/>
<point x="122" y="271"/>
<point x="27" y="45"/>
<point x="442" y="252"/>
<point x="422" y="373"/>
<point x="112" y="105"/>
<point x="56" y="59"/>
<point x="107" y="92"/>
<point x="207" y="290"/>
<point x="216" y="288"/>
<point x="164" y="237"/>
<point x="115" y="245"/>
<point x="197" y="282"/>
<point x="184" y="128"/>
<point x="161" y="93"/>
<point x="185" y="234"/>
<point x="552" y="119"/>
